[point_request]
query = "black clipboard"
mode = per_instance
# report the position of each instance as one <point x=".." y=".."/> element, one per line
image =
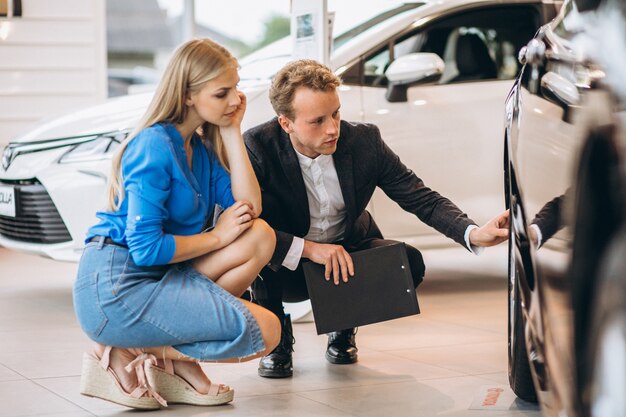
<point x="381" y="289"/>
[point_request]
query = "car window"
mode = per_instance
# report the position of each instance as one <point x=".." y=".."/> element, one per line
<point x="474" y="45"/>
<point x="265" y="62"/>
<point x="347" y="35"/>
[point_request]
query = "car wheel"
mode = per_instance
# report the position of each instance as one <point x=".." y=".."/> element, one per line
<point x="520" y="377"/>
<point x="598" y="267"/>
<point x="607" y="353"/>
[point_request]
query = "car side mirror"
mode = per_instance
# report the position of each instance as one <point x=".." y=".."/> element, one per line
<point x="410" y="70"/>
<point x="561" y="92"/>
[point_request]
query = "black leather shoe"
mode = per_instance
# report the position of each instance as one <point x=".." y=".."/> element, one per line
<point x="342" y="347"/>
<point x="278" y="364"/>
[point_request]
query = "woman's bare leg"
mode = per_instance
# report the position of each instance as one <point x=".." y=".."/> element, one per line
<point x="270" y="332"/>
<point x="119" y="358"/>
<point x="188" y="368"/>
<point x="237" y="265"/>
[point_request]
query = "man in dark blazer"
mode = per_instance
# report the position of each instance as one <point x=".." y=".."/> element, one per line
<point x="317" y="174"/>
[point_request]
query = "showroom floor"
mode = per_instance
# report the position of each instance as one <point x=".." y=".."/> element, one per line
<point x="449" y="361"/>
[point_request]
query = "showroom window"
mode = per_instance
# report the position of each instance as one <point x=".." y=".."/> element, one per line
<point x="475" y="45"/>
<point x="142" y="34"/>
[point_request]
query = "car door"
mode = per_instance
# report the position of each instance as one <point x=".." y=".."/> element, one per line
<point x="450" y="132"/>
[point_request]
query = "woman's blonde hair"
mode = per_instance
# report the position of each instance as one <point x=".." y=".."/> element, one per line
<point x="193" y="64"/>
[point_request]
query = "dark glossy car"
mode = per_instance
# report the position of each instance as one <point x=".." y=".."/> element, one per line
<point x="564" y="166"/>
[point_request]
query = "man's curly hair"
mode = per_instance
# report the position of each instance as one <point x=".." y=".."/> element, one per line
<point x="306" y="73"/>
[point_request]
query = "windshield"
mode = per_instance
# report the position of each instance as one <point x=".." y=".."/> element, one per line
<point x="371" y="22"/>
<point x="348" y="24"/>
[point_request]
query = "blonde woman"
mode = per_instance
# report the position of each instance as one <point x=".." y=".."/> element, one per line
<point x="155" y="290"/>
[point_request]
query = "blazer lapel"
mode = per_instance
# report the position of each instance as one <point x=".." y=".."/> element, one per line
<point x="343" y="165"/>
<point x="291" y="167"/>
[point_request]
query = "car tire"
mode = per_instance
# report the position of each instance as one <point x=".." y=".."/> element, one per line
<point x="598" y="249"/>
<point x="603" y="393"/>
<point x="520" y="377"/>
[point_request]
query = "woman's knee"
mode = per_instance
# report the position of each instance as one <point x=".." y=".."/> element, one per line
<point x="262" y="239"/>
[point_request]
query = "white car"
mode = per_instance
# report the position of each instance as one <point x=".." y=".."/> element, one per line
<point x="432" y="75"/>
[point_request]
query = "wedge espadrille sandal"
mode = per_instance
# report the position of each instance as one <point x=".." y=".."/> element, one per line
<point x="98" y="380"/>
<point x="176" y="390"/>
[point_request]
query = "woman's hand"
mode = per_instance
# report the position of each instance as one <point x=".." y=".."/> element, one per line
<point x="237" y="117"/>
<point x="233" y="222"/>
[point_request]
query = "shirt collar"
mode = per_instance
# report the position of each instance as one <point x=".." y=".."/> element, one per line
<point x="306" y="162"/>
<point x="176" y="136"/>
<point x="173" y="133"/>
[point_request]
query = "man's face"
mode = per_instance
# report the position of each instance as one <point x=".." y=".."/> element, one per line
<point x="315" y="128"/>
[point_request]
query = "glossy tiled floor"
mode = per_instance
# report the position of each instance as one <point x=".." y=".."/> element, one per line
<point x="439" y="363"/>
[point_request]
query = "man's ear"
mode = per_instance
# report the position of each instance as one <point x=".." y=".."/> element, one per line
<point x="285" y="123"/>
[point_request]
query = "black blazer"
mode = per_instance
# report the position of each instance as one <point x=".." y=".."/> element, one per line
<point x="363" y="162"/>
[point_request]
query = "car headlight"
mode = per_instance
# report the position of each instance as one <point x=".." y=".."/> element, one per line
<point x="102" y="147"/>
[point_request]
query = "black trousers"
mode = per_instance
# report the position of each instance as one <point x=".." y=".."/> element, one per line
<point x="271" y="288"/>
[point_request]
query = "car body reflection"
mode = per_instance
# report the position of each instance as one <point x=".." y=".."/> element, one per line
<point x="564" y="183"/>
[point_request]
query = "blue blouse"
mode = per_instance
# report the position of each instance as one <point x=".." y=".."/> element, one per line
<point x="163" y="196"/>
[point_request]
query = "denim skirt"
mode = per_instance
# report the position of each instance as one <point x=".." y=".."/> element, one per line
<point x="121" y="304"/>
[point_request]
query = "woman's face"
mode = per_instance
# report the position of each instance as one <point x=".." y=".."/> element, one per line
<point x="217" y="101"/>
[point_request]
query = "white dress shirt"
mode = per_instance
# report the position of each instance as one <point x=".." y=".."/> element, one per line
<point x="327" y="209"/>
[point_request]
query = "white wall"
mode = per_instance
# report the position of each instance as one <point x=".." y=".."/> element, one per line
<point x="52" y="60"/>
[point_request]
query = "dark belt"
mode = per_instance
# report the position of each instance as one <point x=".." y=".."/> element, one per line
<point x="107" y="241"/>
